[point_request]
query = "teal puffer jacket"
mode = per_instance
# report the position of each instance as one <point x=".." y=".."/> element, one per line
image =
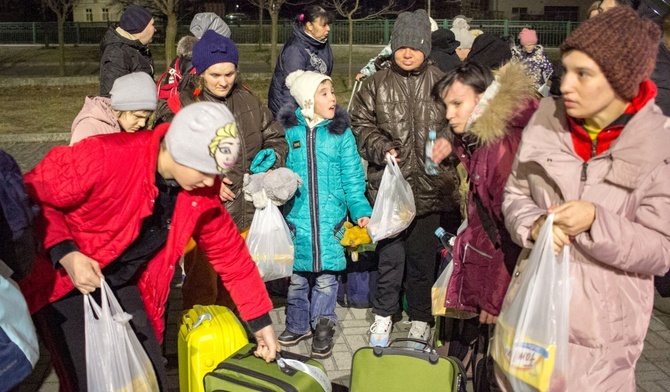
<point x="327" y="160"/>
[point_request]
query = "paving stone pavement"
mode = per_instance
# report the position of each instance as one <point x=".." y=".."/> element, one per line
<point x="653" y="368"/>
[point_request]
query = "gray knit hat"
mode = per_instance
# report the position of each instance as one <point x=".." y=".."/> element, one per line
<point x="198" y="132"/>
<point x="412" y="30"/>
<point x="208" y="21"/>
<point x="135" y="91"/>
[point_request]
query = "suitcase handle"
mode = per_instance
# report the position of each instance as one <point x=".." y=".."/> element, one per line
<point x="399" y="340"/>
<point x="200" y="320"/>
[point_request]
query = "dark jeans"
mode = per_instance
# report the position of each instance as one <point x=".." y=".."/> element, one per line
<point x="61" y="326"/>
<point x="310" y="301"/>
<point x="414" y="254"/>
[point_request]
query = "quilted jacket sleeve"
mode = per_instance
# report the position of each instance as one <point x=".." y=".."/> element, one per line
<point x="217" y="236"/>
<point x="641" y="245"/>
<point x="353" y="178"/>
<point x="63" y="180"/>
<point x="273" y="136"/>
<point x="372" y="144"/>
<point x="518" y="208"/>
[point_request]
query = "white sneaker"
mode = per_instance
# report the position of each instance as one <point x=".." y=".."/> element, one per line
<point x="420" y="330"/>
<point x="380" y="331"/>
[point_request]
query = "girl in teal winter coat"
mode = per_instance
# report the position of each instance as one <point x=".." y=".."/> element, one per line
<point x="322" y="151"/>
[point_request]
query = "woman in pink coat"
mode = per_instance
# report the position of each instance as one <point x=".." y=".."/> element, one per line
<point x="133" y="99"/>
<point x="598" y="159"/>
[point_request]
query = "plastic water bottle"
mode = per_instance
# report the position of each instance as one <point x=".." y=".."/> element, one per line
<point x="431" y="167"/>
<point x="446" y="255"/>
<point x="447" y="239"/>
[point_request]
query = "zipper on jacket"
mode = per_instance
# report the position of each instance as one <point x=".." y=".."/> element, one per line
<point x="465" y="254"/>
<point x="488" y="256"/>
<point x="241" y="383"/>
<point x="585" y="167"/>
<point x="313" y="200"/>
<point x="284" y="385"/>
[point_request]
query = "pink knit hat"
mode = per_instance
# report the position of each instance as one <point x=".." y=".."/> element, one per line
<point x="527" y="36"/>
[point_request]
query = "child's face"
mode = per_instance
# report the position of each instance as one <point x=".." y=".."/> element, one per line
<point x="324" y="100"/>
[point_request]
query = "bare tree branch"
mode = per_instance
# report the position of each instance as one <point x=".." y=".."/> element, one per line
<point x="351" y="10"/>
<point x="273" y="7"/>
<point x="62" y="8"/>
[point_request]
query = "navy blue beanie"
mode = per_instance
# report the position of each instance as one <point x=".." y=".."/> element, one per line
<point x="214" y="48"/>
<point x="135" y="19"/>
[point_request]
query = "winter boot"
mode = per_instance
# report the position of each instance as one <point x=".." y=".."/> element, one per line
<point x="322" y="344"/>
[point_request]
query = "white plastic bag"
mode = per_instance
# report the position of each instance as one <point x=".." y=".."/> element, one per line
<point x="438" y="292"/>
<point x="115" y="359"/>
<point x="270" y="245"/>
<point x="531" y="337"/>
<point x="394" y="207"/>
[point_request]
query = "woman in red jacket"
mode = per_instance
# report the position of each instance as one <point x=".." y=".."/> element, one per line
<point x="123" y="206"/>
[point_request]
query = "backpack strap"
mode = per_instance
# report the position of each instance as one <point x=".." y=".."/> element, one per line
<point x="489" y="227"/>
<point x="174" y="103"/>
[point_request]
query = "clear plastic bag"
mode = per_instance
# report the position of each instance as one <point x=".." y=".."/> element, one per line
<point x="270" y="244"/>
<point x="394" y="207"/>
<point x="531" y="337"/>
<point x="115" y="359"/>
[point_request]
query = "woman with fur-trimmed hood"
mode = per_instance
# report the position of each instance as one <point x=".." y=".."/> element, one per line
<point x="486" y="115"/>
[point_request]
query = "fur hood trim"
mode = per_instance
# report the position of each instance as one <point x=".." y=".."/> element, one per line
<point x="288" y="118"/>
<point x="185" y="46"/>
<point x="516" y="88"/>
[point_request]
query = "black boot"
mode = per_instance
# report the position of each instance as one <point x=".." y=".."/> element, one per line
<point x="322" y="344"/>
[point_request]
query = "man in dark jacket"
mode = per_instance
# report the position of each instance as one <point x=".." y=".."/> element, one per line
<point x="443" y="50"/>
<point x="125" y="48"/>
<point x="392" y="114"/>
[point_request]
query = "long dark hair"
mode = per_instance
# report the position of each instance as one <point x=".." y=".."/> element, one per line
<point x="313" y="12"/>
<point x="470" y="74"/>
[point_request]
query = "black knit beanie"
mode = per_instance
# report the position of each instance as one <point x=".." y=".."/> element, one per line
<point x="489" y="51"/>
<point x="135" y="19"/>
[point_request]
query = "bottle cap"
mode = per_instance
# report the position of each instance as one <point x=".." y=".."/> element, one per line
<point x="432" y="134"/>
<point x="440" y="232"/>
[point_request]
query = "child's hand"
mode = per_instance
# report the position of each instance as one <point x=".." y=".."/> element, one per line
<point x="225" y="194"/>
<point x="362" y="222"/>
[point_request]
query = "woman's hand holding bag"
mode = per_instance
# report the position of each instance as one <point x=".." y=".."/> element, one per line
<point x="531" y="337"/>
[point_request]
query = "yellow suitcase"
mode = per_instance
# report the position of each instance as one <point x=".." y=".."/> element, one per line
<point x="207" y="336"/>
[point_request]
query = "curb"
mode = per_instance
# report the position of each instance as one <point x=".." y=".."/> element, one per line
<point x="85" y="80"/>
<point x="35" y="137"/>
<point x="49" y="81"/>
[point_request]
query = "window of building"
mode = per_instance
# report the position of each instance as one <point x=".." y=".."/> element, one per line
<point x="519" y="11"/>
<point x="89" y="15"/>
<point x="105" y="14"/>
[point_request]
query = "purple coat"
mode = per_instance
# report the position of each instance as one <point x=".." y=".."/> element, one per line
<point x="482" y="271"/>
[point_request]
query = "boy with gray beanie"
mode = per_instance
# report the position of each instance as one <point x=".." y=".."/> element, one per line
<point x="123" y="207"/>
<point x="393" y="114"/>
<point x="133" y="100"/>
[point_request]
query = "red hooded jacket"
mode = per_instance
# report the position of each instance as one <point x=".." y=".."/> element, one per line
<point x="97" y="192"/>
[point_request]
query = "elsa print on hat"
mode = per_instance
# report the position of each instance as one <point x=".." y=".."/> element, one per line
<point x="203" y="136"/>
